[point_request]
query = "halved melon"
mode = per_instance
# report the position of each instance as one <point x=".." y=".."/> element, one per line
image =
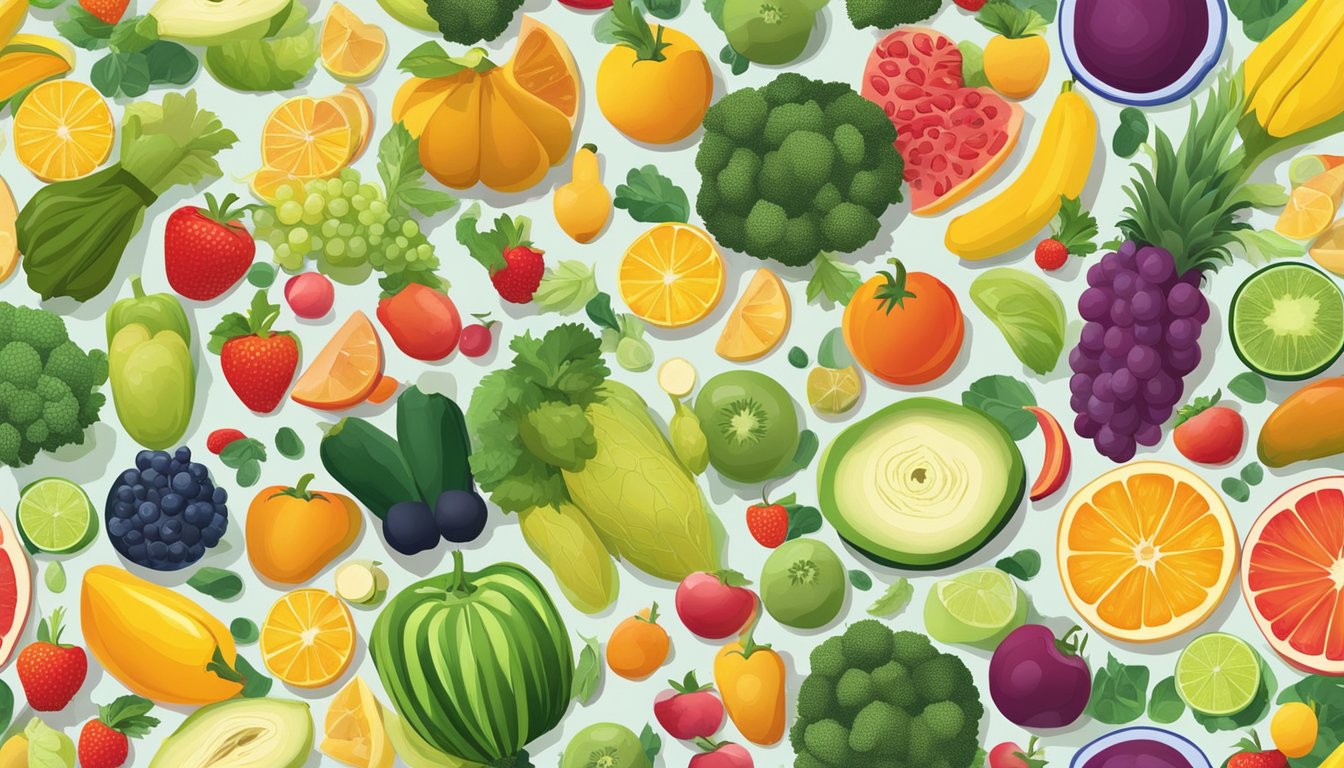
<point x="1292" y="575"/>
<point x="16" y="589"/>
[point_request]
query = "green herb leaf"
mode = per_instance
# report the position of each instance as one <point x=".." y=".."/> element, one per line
<point x="429" y="60"/>
<point x="218" y="583"/>
<point x="861" y="580"/>
<point x="287" y="442"/>
<point x="130" y="715"/>
<point x="1248" y="387"/>
<point x="255" y="684"/>
<point x="600" y="312"/>
<point x="238" y="453"/>
<point x="1119" y="692"/>
<point x="54" y="577"/>
<point x="1003" y="398"/>
<point x="1013" y="21"/>
<point x="261" y="274"/>
<point x="651" y="197"/>
<point x="1252" y="474"/>
<point x="1131" y="133"/>
<point x="802" y="520"/>
<point x="1259" y="18"/>
<point x="249" y="474"/>
<point x="170" y="63"/>
<point x="83" y="29"/>
<point x="1075" y="227"/>
<point x="663" y="9"/>
<point x="134" y="33"/>
<point x="1023" y="565"/>
<point x="651" y="742"/>
<point x="1166" y="705"/>
<point x="1263" y="196"/>
<point x="566" y="287"/>
<point x="1237" y="489"/>
<point x="121" y="74"/>
<point x="6" y="706"/>
<point x="972" y="65"/>
<point x="894" y="600"/>
<point x="588" y="672"/>
<point x="798" y="357"/>
<point x="834" y="352"/>
<point x="832" y="278"/>
<point x="1046" y="9"/>
<point x="244" y="631"/>
<point x="403" y="176"/>
<point x="488" y="248"/>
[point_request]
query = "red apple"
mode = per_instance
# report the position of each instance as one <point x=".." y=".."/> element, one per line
<point x="715" y="605"/>
<point x="689" y="710"/>
<point x="721" y="755"/>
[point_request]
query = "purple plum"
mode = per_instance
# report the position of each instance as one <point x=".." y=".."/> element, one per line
<point x="1037" y="681"/>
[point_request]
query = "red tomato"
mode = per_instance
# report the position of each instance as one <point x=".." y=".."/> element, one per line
<point x="904" y="328"/>
<point x="422" y="322"/>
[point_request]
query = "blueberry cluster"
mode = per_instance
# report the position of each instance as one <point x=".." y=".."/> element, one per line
<point x="165" y="512"/>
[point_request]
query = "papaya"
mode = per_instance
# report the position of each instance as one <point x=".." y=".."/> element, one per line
<point x="1305" y="426"/>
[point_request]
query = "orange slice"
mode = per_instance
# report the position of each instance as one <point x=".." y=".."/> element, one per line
<point x="308" y="137"/>
<point x="543" y="66"/>
<point x="9" y="242"/>
<point x="351" y="49"/>
<point x="347" y="369"/>
<point x="758" y="321"/>
<point x="672" y="275"/>
<point x="63" y="130"/>
<point x="353" y="732"/>
<point x="266" y="183"/>
<point x="308" y="638"/>
<point x="1312" y="206"/>
<point x="1146" y="551"/>
<point x="1328" y="250"/>
<point x="29" y="59"/>
<point x="357" y="111"/>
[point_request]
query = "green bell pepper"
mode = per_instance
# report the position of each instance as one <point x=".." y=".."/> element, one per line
<point x="150" y="368"/>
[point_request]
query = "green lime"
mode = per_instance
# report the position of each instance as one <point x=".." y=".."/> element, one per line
<point x="1218" y="674"/>
<point x="56" y="516"/>
<point x="1287" y="321"/>
<point x="977" y="608"/>
<point x="833" y="391"/>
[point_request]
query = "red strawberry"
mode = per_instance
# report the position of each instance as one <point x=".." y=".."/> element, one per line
<point x="106" y="11"/>
<point x="1253" y="756"/>
<point x="1072" y="235"/>
<point x="207" y="251"/>
<point x="768" y="523"/>
<point x="515" y="266"/>
<point x="258" y="363"/>
<point x="971" y="5"/>
<point x="521" y="276"/>
<point x="220" y="439"/>
<point x="1051" y="254"/>
<point x="105" y="742"/>
<point x="1208" y="433"/>
<point x="51" y="673"/>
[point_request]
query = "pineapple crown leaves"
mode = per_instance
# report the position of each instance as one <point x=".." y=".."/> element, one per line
<point x="1075" y="227"/>
<point x="261" y="315"/>
<point x="1188" y="202"/>
<point x="128" y="715"/>
<point x="893" y="294"/>
<point x="1003" y="17"/>
<point x="1196" y="407"/>
<point x="49" y="630"/>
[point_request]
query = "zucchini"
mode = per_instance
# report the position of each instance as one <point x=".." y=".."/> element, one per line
<point x="367" y="462"/>
<point x="433" y="435"/>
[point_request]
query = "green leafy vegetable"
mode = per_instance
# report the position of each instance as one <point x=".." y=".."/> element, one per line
<point x="1131" y="133"/>
<point x="1075" y="227"/>
<point x="1166" y="705"/>
<point x="287" y="442"/>
<point x="1003" y="398"/>
<point x="241" y="451"/>
<point x="972" y="64"/>
<point x="48" y="747"/>
<point x="1026" y="311"/>
<point x="1259" y="18"/>
<point x="6" y="706"/>
<point x="136" y="58"/>
<point x="834" y="279"/>
<point x="861" y="580"/>
<point x="403" y="176"/>
<point x="1012" y="20"/>
<point x="1248" y="387"/>
<point x="588" y="672"/>
<point x="275" y="63"/>
<point x="1023" y="565"/>
<point x="737" y="63"/>
<point x="803" y="519"/>
<point x="566" y="288"/>
<point x="244" y="630"/>
<point x="1119" y="692"/>
<point x="894" y="600"/>
<point x="651" y="197"/>
<point x="218" y="583"/>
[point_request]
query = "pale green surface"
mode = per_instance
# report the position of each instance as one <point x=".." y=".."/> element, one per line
<point x="919" y="243"/>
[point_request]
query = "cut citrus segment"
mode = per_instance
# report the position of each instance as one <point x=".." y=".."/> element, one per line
<point x="833" y="391"/>
<point x="1292" y="575"/>
<point x="266" y="184"/>
<point x="353" y="732"/>
<point x="1146" y="551"/>
<point x="758" y="321"/>
<point x="672" y="275"/>
<point x="357" y="111"/>
<point x="1328" y="250"/>
<point x="347" y="369"/>
<point x="9" y="241"/>
<point x="542" y="66"/>
<point x="1308" y="213"/>
<point x="352" y="50"/>
<point x="55" y="515"/>
<point x="308" y="137"/>
<point x="308" y="638"/>
<point x="1218" y="674"/>
<point x="977" y="607"/>
<point x="63" y="130"/>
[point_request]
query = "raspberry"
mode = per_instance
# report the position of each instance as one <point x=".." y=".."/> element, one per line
<point x="1051" y="254"/>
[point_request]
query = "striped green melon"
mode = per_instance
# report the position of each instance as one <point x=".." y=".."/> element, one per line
<point x="477" y="663"/>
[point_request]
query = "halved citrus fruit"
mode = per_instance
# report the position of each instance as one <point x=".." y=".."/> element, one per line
<point x="758" y="321"/>
<point x="833" y="391"/>
<point x="9" y="240"/>
<point x="1308" y="213"/>
<point x="1146" y="551"/>
<point x="308" y="137"/>
<point x="356" y="108"/>
<point x="1328" y="250"/>
<point x="347" y="369"/>
<point x="266" y="184"/>
<point x="353" y="732"/>
<point x="672" y="275"/>
<point x="1292" y="575"/>
<point x="16" y="589"/>
<point x="543" y="66"/>
<point x="308" y="638"/>
<point x="352" y="50"/>
<point x="63" y="130"/>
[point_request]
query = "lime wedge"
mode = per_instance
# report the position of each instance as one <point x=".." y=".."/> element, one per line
<point x="833" y="391"/>
<point x="1288" y="321"/>
<point x="56" y="516"/>
<point x="1218" y="674"/>
<point x="977" y="608"/>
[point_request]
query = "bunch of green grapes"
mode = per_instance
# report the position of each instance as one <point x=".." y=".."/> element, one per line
<point x="346" y="227"/>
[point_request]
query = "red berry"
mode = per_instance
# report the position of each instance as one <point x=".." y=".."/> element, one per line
<point x="1051" y="254"/>
<point x="207" y="250"/>
<point x="768" y="523"/>
<point x="220" y="439"/>
<point x="971" y="5"/>
<point x="102" y="747"/>
<point x="476" y="339"/>
<point x="50" y="672"/>
<point x="310" y="295"/>
<point x="1214" y="435"/>
<point x="521" y="275"/>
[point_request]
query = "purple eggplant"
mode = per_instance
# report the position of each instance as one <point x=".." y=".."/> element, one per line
<point x="1037" y="681"/>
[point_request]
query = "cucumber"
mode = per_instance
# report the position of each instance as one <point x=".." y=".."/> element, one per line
<point x="433" y="435"/>
<point x="367" y="462"/>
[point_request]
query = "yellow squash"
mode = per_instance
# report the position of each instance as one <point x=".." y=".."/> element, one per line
<point x="1058" y="169"/>
<point x="292" y="532"/>
<point x="1292" y="76"/>
<point x="155" y="641"/>
<point x="582" y="206"/>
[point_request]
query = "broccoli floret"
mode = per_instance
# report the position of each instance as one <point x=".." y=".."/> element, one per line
<point x="939" y="678"/>
<point x="804" y="759"/>
<point x="919" y="748"/>
<point x="743" y="114"/>
<point x="789" y="88"/>
<point x="826" y="198"/>
<point x="894" y="686"/>
<point x="88" y="410"/>
<point x="911" y="648"/>
<point x="885" y="14"/>
<point x="6" y="323"/>
<point x="848" y="227"/>
<point x="816" y="697"/>
<point x="714" y="153"/>
<point x="38" y="433"/>
<point x="854" y="689"/>
<point x="25" y="408"/>
<point x="802" y="240"/>
<point x="879" y="727"/>
<point x="828" y="659"/>
<point x="62" y="416"/>
<point x="765" y="225"/>
<point x="944" y="718"/>
<point x="737" y="180"/>
<point x="810" y="157"/>
<point x="470" y="21"/>
<point x="867" y="644"/>
<point x="787" y="119"/>
<point x="828" y="741"/>
<point x="20" y="365"/>
<point x="42" y="330"/>
<point x="10" y="444"/>
<point x="68" y="363"/>
<point x="849" y="144"/>
<point x="873" y="124"/>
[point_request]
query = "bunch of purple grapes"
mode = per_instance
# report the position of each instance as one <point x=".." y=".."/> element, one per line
<point x="1140" y="341"/>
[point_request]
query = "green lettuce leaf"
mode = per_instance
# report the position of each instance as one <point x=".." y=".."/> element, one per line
<point x="1028" y="313"/>
<point x="270" y="64"/>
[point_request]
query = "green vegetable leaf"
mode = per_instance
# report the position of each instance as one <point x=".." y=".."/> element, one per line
<point x="834" y="352"/>
<point x="861" y="580"/>
<point x="1011" y="20"/>
<point x="737" y="63"/>
<point x="566" y="287"/>
<point x="629" y="27"/>
<point x="130" y="715"/>
<point x="1252" y="714"/>
<point x="1263" y="245"/>
<point x="54" y="577"/>
<point x="488" y="248"/>
<point x="1022" y="565"/>
<point x="972" y="64"/>
<point x="287" y="442"/>
<point x="715" y="10"/>
<point x="894" y="600"/>
<point x="1003" y="398"/>
<point x="1045" y="8"/>
<point x="172" y="143"/>
<point x="1166" y="705"/>
<point x="134" y="33"/>
<point x="244" y="631"/>
<point x="403" y="176"/>
<point x="663" y="9"/>
<point x="268" y="64"/>
<point x="1259" y="18"/>
<point x="1119" y="692"/>
<point x="798" y="357"/>
<point x="1263" y="196"/>
<point x="121" y="74"/>
<point x="651" y="742"/>
<point x="1131" y="133"/>
<point x="1237" y="489"/>
<point x="170" y="63"/>
<point x="241" y="451"/>
<point x="218" y="583"/>
<point x="1028" y="313"/>
<point x="1326" y="694"/>
<point x="255" y="684"/>
<point x="802" y="520"/>
<point x="832" y="278"/>
<point x="1252" y="474"/>
<point x="1248" y="387"/>
<point x="1075" y="227"/>
<point x="6" y="706"/>
<point x="651" y="197"/>
<point x="588" y="672"/>
<point x="48" y="747"/>
<point x="600" y="312"/>
<point x="559" y="434"/>
<point x="429" y="60"/>
<point x="83" y="29"/>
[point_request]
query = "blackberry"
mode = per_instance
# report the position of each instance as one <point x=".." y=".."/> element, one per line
<point x="165" y="512"/>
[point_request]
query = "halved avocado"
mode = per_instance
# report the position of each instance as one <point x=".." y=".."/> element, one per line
<point x="921" y="484"/>
<point x="215" y="22"/>
<point x="277" y="733"/>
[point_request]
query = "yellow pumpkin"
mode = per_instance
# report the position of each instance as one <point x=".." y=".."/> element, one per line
<point x="292" y="532"/>
<point x="500" y="126"/>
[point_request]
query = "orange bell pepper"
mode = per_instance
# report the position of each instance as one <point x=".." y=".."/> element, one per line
<point x="750" y="679"/>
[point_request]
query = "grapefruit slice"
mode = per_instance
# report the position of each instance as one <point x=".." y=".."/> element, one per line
<point x="346" y="371"/>
<point x="16" y="589"/>
<point x="1292" y="575"/>
<point x="951" y="137"/>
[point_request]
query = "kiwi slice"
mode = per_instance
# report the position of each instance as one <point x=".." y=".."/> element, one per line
<point x="1287" y="321"/>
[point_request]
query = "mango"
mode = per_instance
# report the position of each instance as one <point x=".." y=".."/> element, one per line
<point x="1305" y="426"/>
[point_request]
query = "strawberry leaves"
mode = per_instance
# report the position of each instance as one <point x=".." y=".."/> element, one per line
<point x="488" y="248"/>
<point x="257" y="322"/>
<point x="128" y="715"/>
<point x="1196" y="407"/>
<point x="1075" y="227"/>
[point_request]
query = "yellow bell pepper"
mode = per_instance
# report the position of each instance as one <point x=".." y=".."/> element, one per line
<point x="751" y="680"/>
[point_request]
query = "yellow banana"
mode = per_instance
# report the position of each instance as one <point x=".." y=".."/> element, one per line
<point x="1058" y="168"/>
<point x="157" y="642"/>
<point x="1291" y="77"/>
<point x="1268" y="55"/>
<point x="1336" y="758"/>
<point x="12" y="15"/>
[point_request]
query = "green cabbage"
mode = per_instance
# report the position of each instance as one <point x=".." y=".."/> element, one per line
<point x="271" y="64"/>
<point x="1028" y="313"/>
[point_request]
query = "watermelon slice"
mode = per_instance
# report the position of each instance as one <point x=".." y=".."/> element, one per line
<point x="1292" y="575"/>
<point x="16" y="589"/>
<point x="951" y="137"/>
